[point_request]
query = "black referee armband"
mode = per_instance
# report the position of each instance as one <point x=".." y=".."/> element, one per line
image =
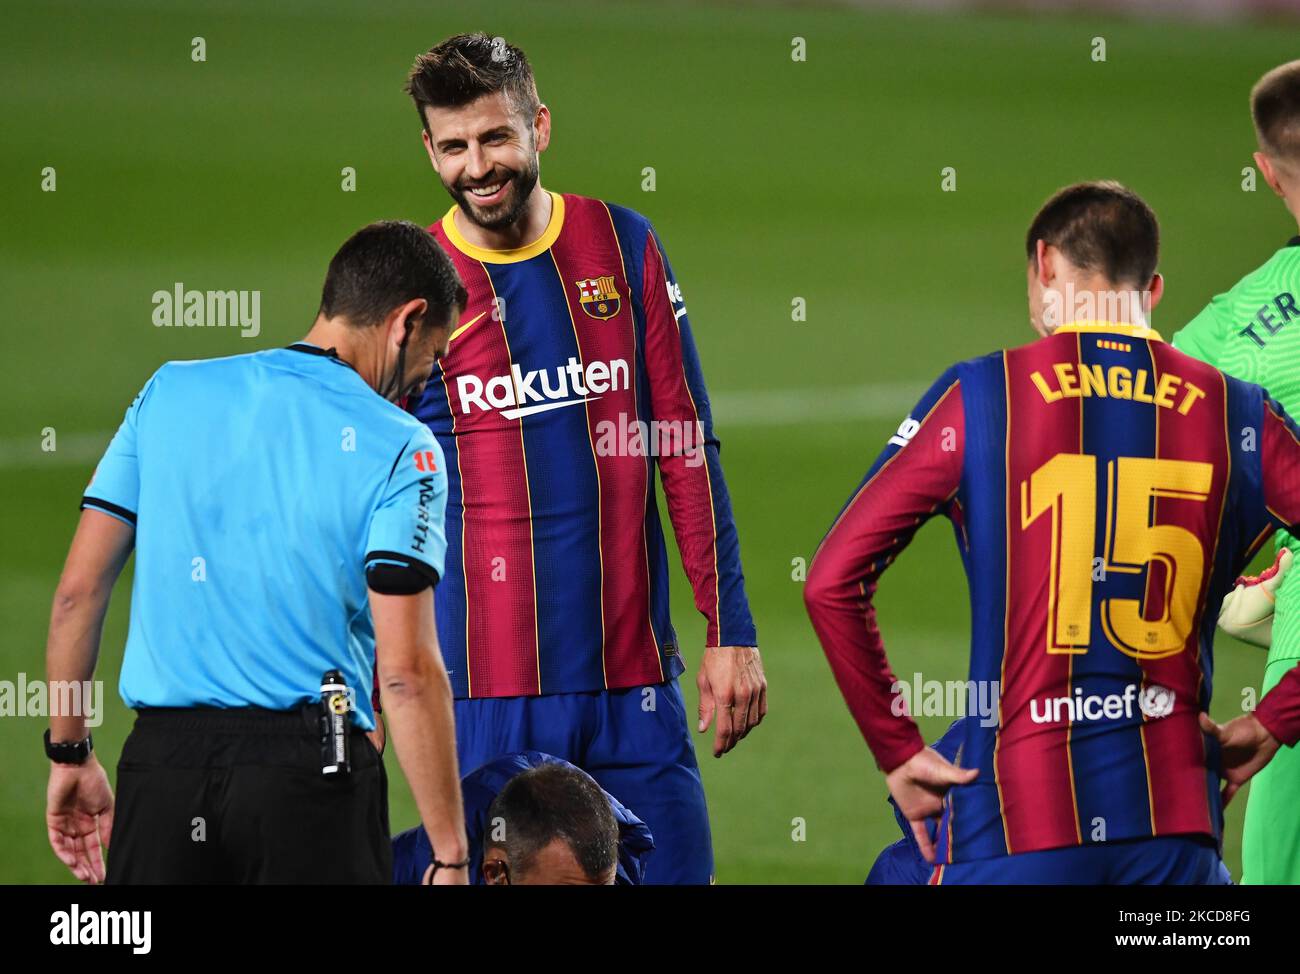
<point x="393" y="573"/>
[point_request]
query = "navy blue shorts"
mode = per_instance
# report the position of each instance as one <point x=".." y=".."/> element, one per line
<point x="1174" y="860"/>
<point x="635" y="742"/>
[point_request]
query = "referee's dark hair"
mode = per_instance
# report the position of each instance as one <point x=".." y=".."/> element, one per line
<point x="384" y="265"/>
<point x="467" y="66"/>
<point x="556" y="801"/>
<point x="1102" y="227"/>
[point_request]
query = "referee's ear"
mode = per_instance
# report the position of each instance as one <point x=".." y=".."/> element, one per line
<point x="402" y="322"/>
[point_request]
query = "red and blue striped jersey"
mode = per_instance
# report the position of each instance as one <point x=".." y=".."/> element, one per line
<point x="1104" y="488"/>
<point x="571" y="379"/>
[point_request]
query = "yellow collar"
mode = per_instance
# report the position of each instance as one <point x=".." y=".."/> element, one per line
<point x="1113" y="327"/>
<point x="489" y="256"/>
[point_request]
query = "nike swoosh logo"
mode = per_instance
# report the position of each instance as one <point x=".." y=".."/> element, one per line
<point x="544" y="407"/>
<point x="462" y="328"/>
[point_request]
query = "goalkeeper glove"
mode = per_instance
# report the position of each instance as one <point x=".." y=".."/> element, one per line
<point x="1247" y="611"/>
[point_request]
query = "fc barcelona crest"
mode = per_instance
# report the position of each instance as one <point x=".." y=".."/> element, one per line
<point x="599" y="297"/>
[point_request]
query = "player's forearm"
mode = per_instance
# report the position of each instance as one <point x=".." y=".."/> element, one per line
<point x="1279" y="711"/>
<point x="418" y="709"/>
<point x="869" y="533"/>
<point x="71" y="651"/>
<point x="845" y="623"/>
<point x="700" y="510"/>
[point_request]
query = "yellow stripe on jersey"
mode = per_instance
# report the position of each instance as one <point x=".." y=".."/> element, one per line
<point x="489" y="256"/>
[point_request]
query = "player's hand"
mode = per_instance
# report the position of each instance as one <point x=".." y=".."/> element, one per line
<point x="1247" y="611"/>
<point x="732" y="686"/>
<point x="918" y="786"/>
<point x="1246" y="747"/>
<point x="79" y="817"/>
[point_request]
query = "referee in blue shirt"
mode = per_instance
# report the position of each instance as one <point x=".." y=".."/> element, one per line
<point x="287" y="520"/>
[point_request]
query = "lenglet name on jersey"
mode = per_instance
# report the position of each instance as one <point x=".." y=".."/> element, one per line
<point x="1070" y="381"/>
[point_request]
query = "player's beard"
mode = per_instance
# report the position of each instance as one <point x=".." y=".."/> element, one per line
<point x="507" y="212"/>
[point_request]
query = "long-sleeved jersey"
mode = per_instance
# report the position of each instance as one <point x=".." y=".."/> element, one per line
<point x="572" y="377"/>
<point x="1104" y="488"/>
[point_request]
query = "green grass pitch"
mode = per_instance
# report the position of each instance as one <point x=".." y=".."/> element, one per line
<point x="774" y="179"/>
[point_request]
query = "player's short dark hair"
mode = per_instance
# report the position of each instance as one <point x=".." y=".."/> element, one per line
<point x="1275" y="109"/>
<point x="384" y="265"/>
<point x="556" y="801"/>
<point x="466" y="67"/>
<point x="1102" y="227"/>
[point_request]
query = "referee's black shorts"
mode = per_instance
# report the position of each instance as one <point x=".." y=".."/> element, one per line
<point x="237" y="796"/>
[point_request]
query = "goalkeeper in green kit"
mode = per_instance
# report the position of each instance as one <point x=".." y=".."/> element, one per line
<point x="1253" y="332"/>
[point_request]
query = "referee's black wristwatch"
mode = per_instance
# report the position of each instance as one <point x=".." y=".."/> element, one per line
<point x="68" y="752"/>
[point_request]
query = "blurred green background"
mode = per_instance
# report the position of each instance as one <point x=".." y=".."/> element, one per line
<point x="775" y="179"/>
